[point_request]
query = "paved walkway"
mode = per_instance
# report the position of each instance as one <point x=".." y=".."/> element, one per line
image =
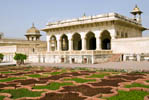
<point x="130" y="66"/>
<point x="7" y="64"/>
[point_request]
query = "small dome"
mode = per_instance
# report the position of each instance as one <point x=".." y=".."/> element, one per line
<point x="136" y="10"/>
<point x="33" y="31"/>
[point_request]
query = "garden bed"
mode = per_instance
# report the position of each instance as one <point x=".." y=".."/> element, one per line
<point x="42" y="83"/>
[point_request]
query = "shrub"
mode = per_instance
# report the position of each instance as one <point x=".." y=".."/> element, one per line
<point x="1" y="57"/>
<point x="20" y="58"/>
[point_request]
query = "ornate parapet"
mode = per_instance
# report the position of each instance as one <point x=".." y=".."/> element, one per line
<point x="90" y="20"/>
<point x="86" y="52"/>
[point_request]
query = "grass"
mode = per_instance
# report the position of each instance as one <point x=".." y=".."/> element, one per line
<point x="80" y="80"/>
<point x="11" y="79"/>
<point x="137" y="85"/>
<point x="2" y="97"/>
<point x="98" y="75"/>
<point x="35" y="75"/>
<point x="131" y="95"/>
<point x="55" y="73"/>
<point x="147" y="81"/>
<point x="22" y="92"/>
<point x="7" y="72"/>
<point x="52" y="86"/>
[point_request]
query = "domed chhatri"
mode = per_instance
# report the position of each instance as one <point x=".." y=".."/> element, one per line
<point x="136" y="11"/>
<point x="33" y="34"/>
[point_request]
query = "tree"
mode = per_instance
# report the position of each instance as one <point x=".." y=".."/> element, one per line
<point x="20" y="58"/>
<point x="1" y="57"/>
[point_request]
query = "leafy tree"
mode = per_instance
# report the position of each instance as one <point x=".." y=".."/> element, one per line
<point x="20" y="58"/>
<point x="1" y="57"/>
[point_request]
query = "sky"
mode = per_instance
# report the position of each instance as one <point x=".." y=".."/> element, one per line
<point x="16" y="16"/>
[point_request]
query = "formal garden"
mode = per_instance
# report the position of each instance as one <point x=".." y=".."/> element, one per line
<point x="47" y="83"/>
<point x="23" y="82"/>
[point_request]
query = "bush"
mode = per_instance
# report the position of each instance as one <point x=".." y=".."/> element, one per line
<point x="20" y="58"/>
<point x="1" y="57"/>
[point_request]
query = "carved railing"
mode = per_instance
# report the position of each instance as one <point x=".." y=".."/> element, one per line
<point x="86" y="52"/>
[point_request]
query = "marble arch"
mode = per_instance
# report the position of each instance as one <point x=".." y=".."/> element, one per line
<point x="90" y="41"/>
<point x="105" y="40"/>
<point x="77" y="42"/>
<point x="53" y="43"/>
<point x="64" y="42"/>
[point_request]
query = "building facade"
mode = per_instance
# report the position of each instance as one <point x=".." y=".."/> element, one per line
<point x="95" y="39"/>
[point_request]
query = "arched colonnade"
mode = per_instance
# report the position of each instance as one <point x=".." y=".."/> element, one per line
<point x="80" y="41"/>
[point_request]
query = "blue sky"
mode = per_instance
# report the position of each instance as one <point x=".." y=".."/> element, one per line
<point x="16" y="16"/>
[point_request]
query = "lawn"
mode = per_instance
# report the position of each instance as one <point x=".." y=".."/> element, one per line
<point x="52" y="86"/>
<point x="11" y="79"/>
<point x="18" y="93"/>
<point x="131" y="95"/>
<point x="137" y="85"/>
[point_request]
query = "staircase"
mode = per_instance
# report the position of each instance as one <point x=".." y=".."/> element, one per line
<point x="115" y="58"/>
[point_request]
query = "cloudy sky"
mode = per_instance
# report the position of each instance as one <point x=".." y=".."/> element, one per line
<point x="16" y="16"/>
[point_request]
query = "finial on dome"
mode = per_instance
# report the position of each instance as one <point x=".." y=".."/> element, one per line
<point x="136" y="6"/>
<point x="84" y="15"/>
<point x="33" y="24"/>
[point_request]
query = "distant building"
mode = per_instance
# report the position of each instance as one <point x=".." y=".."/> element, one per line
<point x="32" y="45"/>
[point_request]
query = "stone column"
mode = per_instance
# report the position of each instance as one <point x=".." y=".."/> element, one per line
<point x="83" y="38"/>
<point x="98" y="40"/>
<point x="98" y="43"/>
<point x="70" y="44"/>
<point x="83" y="43"/>
<point x="58" y="39"/>
<point x="48" y="44"/>
<point x="58" y="45"/>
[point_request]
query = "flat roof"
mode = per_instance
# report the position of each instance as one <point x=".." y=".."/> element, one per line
<point x="90" y="19"/>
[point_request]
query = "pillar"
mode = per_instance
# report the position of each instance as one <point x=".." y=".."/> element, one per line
<point x="58" y="45"/>
<point x="83" y="38"/>
<point x="70" y="41"/>
<point x="70" y="44"/>
<point x="98" y="40"/>
<point x="58" y="42"/>
<point x="48" y="43"/>
<point x="83" y="43"/>
<point x="98" y="43"/>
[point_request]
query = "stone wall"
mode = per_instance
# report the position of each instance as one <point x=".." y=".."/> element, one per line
<point x="8" y="49"/>
<point x="85" y="59"/>
<point x="130" y="45"/>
